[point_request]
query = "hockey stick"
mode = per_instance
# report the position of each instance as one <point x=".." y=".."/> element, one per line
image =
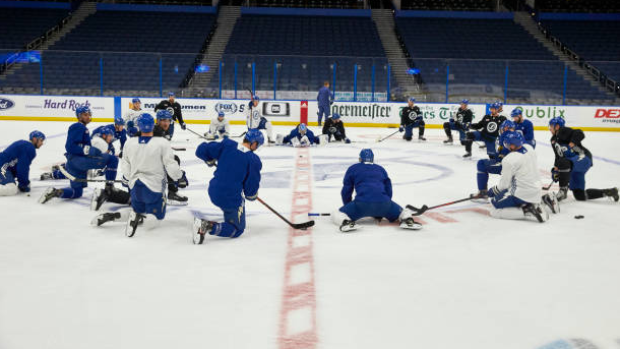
<point x="386" y="137"/>
<point x="196" y="133"/>
<point x="424" y="208"/>
<point x="301" y="226"/>
<point x="241" y="135"/>
<point x="179" y="149"/>
<point x="72" y="178"/>
<point x="549" y="186"/>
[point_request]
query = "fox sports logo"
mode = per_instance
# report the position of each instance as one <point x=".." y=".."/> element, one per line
<point x="226" y="108"/>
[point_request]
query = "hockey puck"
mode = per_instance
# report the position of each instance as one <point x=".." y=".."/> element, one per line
<point x="578" y="217"/>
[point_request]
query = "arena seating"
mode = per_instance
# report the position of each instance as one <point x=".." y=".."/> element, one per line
<point x="597" y="42"/>
<point x="448" y="5"/>
<point x="25" y="25"/>
<point x="290" y="37"/>
<point x="578" y="6"/>
<point x="128" y="44"/>
<point x="309" y="3"/>
<point x="472" y="44"/>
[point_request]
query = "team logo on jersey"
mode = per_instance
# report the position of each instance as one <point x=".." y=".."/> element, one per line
<point x="560" y="149"/>
<point x="170" y="110"/>
<point x="227" y="108"/>
<point x="413" y="115"/>
<point x="6" y="104"/>
<point x="492" y="127"/>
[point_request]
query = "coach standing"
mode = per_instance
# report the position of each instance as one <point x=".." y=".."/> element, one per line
<point x="174" y="108"/>
<point x="325" y="99"/>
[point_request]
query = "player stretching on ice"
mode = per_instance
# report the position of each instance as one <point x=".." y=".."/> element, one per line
<point x="334" y="128"/>
<point x="493" y="166"/>
<point x="572" y="161"/>
<point x="373" y="196"/>
<point x="219" y="127"/>
<point x="175" y="110"/>
<point x="524" y="127"/>
<point x="255" y="121"/>
<point x="489" y="126"/>
<point x="300" y="136"/>
<point x="460" y="122"/>
<point x="15" y="163"/>
<point x="237" y="175"/>
<point x="81" y="157"/>
<point x="131" y="117"/>
<point x="517" y="196"/>
<point x="410" y="118"/>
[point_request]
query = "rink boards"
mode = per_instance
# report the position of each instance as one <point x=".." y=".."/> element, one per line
<point x="286" y="112"/>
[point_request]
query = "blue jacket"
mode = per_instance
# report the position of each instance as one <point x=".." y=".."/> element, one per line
<point x="295" y="134"/>
<point x="370" y="181"/>
<point x="77" y="138"/>
<point x="527" y="130"/>
<point x="324" y="97"/>
<point x="237" y="171"/>
<point x="17" y="159"/>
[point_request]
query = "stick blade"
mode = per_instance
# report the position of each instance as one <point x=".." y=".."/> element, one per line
<point x="303" y="226"/>
<point x="418" y="211"/>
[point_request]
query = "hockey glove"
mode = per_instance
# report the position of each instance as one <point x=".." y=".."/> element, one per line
<point x="183" y="126"/>
<point x="24" y="188"/>
<point x="183" y="182"/>
<point x="401" y="129"/>
<point x="347" y="141"/>
<point x="211" y="163"/>
<point x="555" y="175"/>
<point x="130" y="124"/>
<point x="493" y="192"/>
<point x="125" y="182"/>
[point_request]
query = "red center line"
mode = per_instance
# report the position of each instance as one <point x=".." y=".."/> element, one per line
<point x="298" y="312"/>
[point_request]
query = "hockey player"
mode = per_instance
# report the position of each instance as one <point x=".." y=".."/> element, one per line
<point x="411" y="117"/>
<point x="334" y="128"/>
<point x="325" y="99"/>
<point x="517" y="195"/>
<point x="219" y="127"/>
<point x="373" y="196"/>
<point x="459" y="122"/>
<point x="572" y="161"/>
<point x="301" y="136"/>
<point x="119" y="133"/>
<point x="255" y="121"/>
<point x="81" y="157"/>
<point x="175" y="110"/>
<point x="523" y="126"/>
<point x="132" y="115"/>
<point x="489" y="126"/>
<point x="493" y="166"/>
<point x="15" y="163"/>
<point x="237" y="175"/>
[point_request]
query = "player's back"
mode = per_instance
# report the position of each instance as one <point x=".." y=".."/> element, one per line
<point x="523" y="165"/>
<point x="369" y="181"/>
<point x="14" y="151"/>
<point x="145" y="158"/>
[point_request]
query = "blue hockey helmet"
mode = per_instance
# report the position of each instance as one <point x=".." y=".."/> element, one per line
<point x="119" y="121"/>
<point x="146" y="123"/>
<point x="302" y="128"/>
<point x="366" y="155"/>
<point x="557" y="121"/>
<point x="136" y="100"/>
<point x="36" y="134"/>
<point x="107" y="130"/>
<point x="81" y="110"/>
<point x="516" y="112"/>
<point x="170" y="94"/>
<point x="256" y="98"/>
<point x="336" y="116"/>
<point x="255" y="135"/>
<point x="411" y="99"/>
<point x="221" y="114"/>
<point x="494" y="106"/>
<point x="507" y="124"/>
<point x="513" y="138"/>
<point x="499" y="104"/>
<point x="465" y="101"/>
<point x="164" y="115"/>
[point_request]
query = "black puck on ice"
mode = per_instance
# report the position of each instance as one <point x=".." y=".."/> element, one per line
<point x="578" y="217"/>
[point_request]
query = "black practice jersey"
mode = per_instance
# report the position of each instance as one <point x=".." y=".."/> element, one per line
<point x="410" y="115"/>
<point x="331" y="127"/>
<point x="489" y="125"/>
<point x="560" y="143"/>
<point x="174" y="108"/>
<point x="464" y="116"/>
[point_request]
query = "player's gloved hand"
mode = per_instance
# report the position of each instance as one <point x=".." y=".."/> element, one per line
<point x="251" y="198"/>
<point x="24" y="188"/>
<point x="401" y="129"/>
<point x="331" y="102"/>
<point x="130" y="124"/>
<point x="211" y="163"/>
<point x="120" y="155"/>
<point x="251" y="105"/>
<point x="183" y="126"/>
<point x="225" y="136"/>
<point x="555" y="175"/>
<point x="183" y="182"/>
<point x="125" y="182"/>
<point x="493" y="192"/>
<point x="347" y="141"/>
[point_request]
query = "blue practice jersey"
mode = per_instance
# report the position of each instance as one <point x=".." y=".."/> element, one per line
<point x="370" y="181"/>
<point x="324" y="97"/>
<point x="296" y="134"/>
<point x="17" y="159"/>
<point x="78" y="137"/>
<point x="526" y="128"/>
<point x="238" y="170"/>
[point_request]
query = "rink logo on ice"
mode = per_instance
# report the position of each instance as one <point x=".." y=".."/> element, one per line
<point x="227" y="108"/>
<point x="574" y="343"/>
<point x="608" y="115"/>
<point x="542" y="112"/>
<point x="6" y="104"/>
<point x="70" y="104"/>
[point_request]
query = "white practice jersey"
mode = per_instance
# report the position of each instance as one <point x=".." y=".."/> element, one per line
<point x="99" y="143"/>
<point x="218" y="126"/>
<point x="520" y="175"/>
<point x="253" y="118"/>
<point x="132" y="115"/>
<point x="149" y="162"/>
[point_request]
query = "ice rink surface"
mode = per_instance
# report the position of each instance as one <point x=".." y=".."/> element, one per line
<point x="464" y="281"/>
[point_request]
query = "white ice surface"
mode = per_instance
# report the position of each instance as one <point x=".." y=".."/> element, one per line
<point x="472" y="282"/>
